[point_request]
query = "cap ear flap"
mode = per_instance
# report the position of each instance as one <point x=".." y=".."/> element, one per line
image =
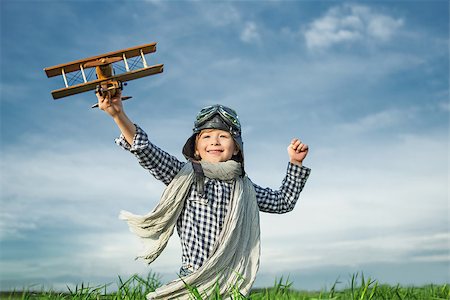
<point x="189" y="147"/>
<point x="197" y="155"/>
<point x="237" y="149"/>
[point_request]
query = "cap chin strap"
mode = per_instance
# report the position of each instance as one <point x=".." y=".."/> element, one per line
<point x="199" y="177"/>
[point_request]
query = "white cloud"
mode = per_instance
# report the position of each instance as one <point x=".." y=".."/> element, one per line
<point x="444" y="106"/>
<point x="219" y="14"/>
<point x="62" y="179"/>
<point x="383" y="27"/>
<point x="366" y="202"/>
<point x="307" y="253"/>
<point x="349" y="24"/>
<point x="156" y="2"/>
<point x="379" y="120"/>
<point x="250" y="33"/>
<point x="11" y="226"/>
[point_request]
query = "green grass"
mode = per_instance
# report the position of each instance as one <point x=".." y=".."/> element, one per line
<point x="136" y="287"/>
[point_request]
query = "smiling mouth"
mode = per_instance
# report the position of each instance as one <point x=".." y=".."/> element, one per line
<point x="214" y="151"/>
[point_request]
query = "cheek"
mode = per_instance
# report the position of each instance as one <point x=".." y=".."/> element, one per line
<point x="199" y="146"/>
<point x="233" y="148"/>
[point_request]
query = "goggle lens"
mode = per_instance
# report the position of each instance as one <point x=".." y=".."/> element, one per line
<point x="229" y="115"/>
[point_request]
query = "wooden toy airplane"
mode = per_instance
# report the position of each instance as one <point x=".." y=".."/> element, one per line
<point x="105" y="66"/>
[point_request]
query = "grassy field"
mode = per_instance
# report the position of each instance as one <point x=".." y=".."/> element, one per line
<point x="137" y="287"/>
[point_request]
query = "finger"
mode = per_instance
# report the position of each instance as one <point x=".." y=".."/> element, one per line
<point x="104" y="101"/>
<point x="99" y="96"/>
<point x="296" y="144"/>
<point x="304" y="148"/>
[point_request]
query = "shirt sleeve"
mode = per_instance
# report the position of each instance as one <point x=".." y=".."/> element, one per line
<point x="283" y="200"/>
<point x="159" y="163"/>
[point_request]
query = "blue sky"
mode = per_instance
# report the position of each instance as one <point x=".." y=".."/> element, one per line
<point x="364" y="83"/>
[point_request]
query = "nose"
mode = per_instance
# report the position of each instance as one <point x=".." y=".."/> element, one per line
<point x="215" y="141"/>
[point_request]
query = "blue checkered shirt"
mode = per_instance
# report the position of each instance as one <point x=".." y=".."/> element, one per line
<point x="202" y="217"/>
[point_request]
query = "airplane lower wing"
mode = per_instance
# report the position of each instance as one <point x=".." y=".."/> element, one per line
<point x="91" y="85"/>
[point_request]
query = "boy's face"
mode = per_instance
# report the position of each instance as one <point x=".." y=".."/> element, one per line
<point x="215" y="145"/>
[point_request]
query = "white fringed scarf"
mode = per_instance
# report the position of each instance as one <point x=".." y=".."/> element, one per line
<point x="234" y="260"/>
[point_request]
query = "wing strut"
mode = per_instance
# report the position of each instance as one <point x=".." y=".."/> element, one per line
<point x="82" y="73"/>
<point x="143" y="59"/>
<point x="127" y="68"/>
<point x="64" y="77"/>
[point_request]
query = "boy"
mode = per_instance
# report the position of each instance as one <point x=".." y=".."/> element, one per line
<point x="209" y="199"/>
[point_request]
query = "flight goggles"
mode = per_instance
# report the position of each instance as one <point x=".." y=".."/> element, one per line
<point x="227" y="114"/>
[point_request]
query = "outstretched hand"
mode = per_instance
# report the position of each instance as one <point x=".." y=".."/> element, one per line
<point x="110" y="104"/>
<point x="297" y="151"/>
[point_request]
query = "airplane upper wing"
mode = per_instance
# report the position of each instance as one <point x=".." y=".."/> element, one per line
<point x="75" y="65"/>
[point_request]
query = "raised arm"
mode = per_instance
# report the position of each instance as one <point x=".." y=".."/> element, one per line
<point x="159" y="163"/>
<point x="113" y="107"/>
<point x="284" y="199"/>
